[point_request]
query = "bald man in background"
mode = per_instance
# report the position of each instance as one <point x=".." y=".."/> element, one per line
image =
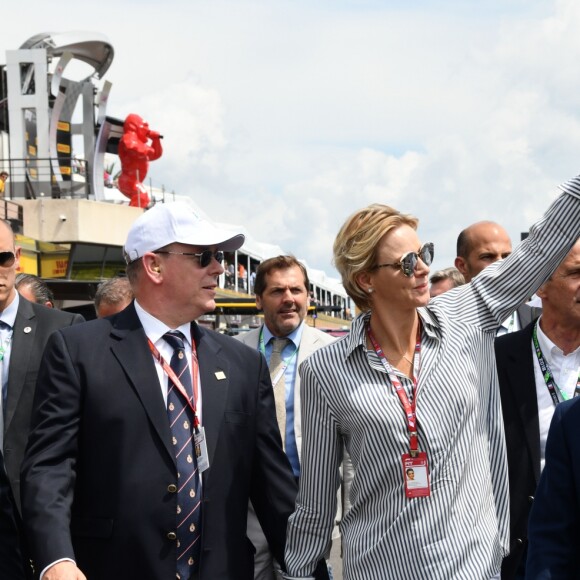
<point x="480" y="245"/>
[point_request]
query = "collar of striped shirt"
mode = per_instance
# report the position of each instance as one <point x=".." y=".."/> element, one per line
<point x="357" y="335"/>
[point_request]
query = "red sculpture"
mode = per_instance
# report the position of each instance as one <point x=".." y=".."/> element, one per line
<point x="135" y="152"/>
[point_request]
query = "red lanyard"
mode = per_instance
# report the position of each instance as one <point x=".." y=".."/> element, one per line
<point x="399" y="389"/>
<point x="173" y="377"/>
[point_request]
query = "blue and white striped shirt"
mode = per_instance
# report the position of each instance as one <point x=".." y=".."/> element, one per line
<point x="461" y="530"/>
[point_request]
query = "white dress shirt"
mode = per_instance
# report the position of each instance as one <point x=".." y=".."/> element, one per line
<point x="565" y="370"/>
<point x="155" y="329"/>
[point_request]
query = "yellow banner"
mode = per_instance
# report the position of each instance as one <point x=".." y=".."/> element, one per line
<point x="28" y="263"/>
<point x="53" y="266"/>
<point x="25" y="242"/>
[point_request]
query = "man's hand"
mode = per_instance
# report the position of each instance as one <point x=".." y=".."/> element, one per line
<point x="64" y="571"/>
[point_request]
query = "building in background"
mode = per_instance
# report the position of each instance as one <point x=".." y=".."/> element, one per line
<point x="72" y="222"/>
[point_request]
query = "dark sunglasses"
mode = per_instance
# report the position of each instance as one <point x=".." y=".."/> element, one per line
<point x="7" y="259"/>
<point x="409" y="261"/>
<point x="203" y="257"/>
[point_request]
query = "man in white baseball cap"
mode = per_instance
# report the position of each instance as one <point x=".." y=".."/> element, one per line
<point x="166" y="224"/>
<point x="167" y="431"/>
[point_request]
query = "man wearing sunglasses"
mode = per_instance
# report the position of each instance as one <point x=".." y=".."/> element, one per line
<point x="150" y="433"/>
<point x="24" y="331"/>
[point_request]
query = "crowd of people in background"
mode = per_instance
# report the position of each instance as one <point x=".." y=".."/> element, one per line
<point x="438" y="439"/>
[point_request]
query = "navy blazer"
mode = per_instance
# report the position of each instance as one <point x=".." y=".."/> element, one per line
<point x="554" y="528"/>
<point x="100" y="469"/>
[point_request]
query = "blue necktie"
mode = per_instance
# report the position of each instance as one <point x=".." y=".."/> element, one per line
<point x="188" y="491"/>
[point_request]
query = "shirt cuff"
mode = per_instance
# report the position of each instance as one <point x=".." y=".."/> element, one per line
<point x="53" y="563"/>
<point x="572" y="187"/>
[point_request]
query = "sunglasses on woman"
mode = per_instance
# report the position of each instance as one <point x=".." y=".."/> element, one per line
<point x="409" y="261"/>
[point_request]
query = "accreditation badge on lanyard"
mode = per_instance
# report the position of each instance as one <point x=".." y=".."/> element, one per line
<point x="415" y="464"/>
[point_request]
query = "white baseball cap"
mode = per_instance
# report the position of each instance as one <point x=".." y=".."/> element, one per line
<point x="168" y="223"/>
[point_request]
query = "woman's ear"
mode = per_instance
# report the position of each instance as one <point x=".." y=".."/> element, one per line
<point x="364" y="282"/>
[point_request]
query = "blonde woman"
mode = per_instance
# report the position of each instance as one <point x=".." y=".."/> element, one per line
<point x="414" y="387"/>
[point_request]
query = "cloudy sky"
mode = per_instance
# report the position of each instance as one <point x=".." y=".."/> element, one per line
<point x="287" y="116"/>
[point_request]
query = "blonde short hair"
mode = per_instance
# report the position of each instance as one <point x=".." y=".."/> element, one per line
<point x="355" y="247"/>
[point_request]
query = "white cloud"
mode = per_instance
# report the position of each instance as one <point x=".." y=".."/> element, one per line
<point x="288" y="116"/>
<point x="190" y="117"/>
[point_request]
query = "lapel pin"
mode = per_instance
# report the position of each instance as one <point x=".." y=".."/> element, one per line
<point x="27" y="329"/>
<point x="220" y="375"/>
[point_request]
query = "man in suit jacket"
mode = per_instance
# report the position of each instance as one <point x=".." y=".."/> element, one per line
<point x="24" y="331"/>
<point x="101" y="488"/>
<point x="528" y="401"/>
<point x="281" y="289"/>
<point x="480" y="245"/>
<point x="554" y="528"/>
<point x="11" y="563"/>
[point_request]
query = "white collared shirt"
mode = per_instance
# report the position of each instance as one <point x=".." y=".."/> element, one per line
<point x="565" y="372"/>
<point x="155" y="329"/>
